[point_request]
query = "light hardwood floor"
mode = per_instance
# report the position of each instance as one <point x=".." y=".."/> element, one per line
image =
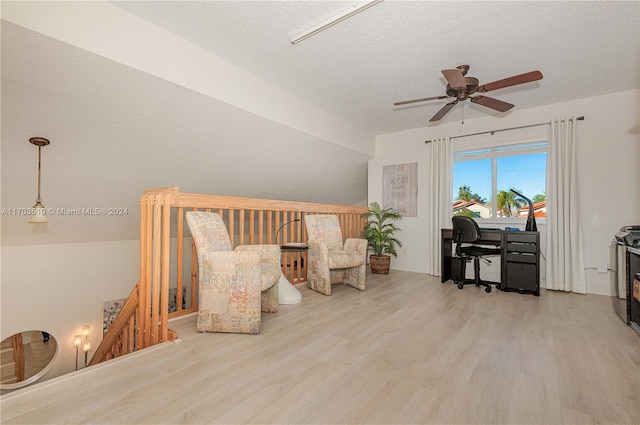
<point x="407" y="350"/>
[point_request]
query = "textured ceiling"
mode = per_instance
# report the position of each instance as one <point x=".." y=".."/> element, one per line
<point x="116" y="130"/>
<point x="395" y="50"/>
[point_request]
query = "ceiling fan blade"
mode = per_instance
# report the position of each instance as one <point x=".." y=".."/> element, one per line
<point x="454" y="78"/>
<point x="511" y="81"/>
<point x="442" y="112"/>
<point x="405" y="102"/>
<point x="492" y="103"/>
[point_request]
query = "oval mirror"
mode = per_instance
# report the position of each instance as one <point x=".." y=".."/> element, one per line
<point x="25" y="358"/>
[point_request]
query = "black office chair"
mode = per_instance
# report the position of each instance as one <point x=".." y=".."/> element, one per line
<point x="466" y="231"/>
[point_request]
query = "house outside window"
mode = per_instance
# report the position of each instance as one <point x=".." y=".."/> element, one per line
<point x="483" y="178"/>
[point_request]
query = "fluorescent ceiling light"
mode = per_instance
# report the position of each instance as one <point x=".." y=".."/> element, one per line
<point x="336" y="19"/>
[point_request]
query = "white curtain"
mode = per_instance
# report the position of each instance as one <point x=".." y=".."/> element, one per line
<point x="565" y="258"/>
<point x="439" y="200"/>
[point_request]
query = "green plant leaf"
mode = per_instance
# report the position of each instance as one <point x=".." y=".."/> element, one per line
<point x="379" y="231"/>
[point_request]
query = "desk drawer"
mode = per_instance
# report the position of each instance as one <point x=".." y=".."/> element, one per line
<point x="524" y="237"/>
<point x="522" y="276"/>
<point x="513" y="257"/>
<point x="490" y="238"/>
<point x="521" y="247"/>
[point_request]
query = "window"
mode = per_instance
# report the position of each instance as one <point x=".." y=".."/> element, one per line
<point x="482" y="180"/>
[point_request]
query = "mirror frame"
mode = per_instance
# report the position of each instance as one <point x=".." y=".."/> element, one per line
<point x="30" y="380"/>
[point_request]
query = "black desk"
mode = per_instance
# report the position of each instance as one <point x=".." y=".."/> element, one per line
<point x="519" y="262"/>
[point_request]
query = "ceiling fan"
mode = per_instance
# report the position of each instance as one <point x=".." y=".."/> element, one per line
<point x="462" y="87"/>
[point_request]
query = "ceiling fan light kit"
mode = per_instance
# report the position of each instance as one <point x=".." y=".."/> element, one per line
<point x="461" y="87"/>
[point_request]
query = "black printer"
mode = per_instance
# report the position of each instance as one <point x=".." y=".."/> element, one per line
<point x="629" y="236"/>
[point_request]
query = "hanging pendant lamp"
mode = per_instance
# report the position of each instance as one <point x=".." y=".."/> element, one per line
<point x="38" y="213"/>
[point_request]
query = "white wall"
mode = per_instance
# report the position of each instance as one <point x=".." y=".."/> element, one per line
<point x="608" y="144"/>
<point x="59" y="288"/>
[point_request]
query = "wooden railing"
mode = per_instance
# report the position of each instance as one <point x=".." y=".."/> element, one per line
<point x="168" y="270"/>
<point x="12" y="370"/>
<point x="123" y="338"/>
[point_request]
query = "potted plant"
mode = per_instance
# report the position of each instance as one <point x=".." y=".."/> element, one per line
<point x="380" y="231"/>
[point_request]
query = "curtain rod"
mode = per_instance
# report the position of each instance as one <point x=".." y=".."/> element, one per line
<point x="504" y="129"/>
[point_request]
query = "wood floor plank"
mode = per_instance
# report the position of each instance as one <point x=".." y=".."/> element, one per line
<point x="408" y="350"/>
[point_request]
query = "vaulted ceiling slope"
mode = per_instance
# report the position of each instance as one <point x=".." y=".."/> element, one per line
<point x="395" y="50"/>
<point x="116" y="131"/>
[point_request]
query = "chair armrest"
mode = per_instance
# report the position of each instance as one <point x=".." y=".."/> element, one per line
<point x="318" y="258"/>
<point x="268" y="253"/>
<point x="225" y="263"/>
<point x="318" y="246"/>
<point x="319" y="251"/>
<point x="356" y="244"/>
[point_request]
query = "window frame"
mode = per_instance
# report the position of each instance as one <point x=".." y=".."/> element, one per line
<point x="494" y="152"/>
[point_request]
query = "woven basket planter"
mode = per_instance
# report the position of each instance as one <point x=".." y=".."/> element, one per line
<point x="380" y="264"/>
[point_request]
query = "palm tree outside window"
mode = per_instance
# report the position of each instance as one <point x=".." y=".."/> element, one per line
<point x="482" y="180"/>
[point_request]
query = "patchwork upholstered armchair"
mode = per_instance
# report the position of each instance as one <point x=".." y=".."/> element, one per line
<point x="235" y="287"/>
<point x="331" y="261"/>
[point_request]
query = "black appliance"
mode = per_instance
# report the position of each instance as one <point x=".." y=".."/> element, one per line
<point x="621" y="277"/>
<point x="634" y="290"/>
<point x="629" y="236"/>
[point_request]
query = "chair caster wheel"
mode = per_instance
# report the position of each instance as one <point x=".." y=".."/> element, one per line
<point x="460" y="285"/>
<point x="487" y="289"/>
<point x="498" y="287"/>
